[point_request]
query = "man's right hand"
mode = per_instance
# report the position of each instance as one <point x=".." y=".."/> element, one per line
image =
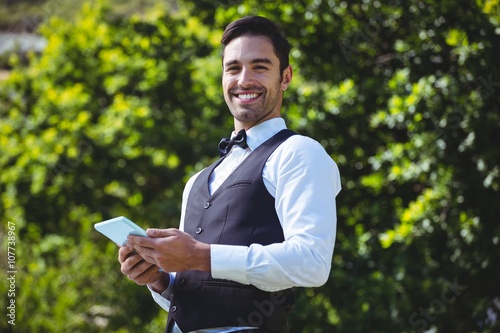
<point x="141" y="271"/>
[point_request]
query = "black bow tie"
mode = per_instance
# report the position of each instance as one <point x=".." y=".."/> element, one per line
<point x="226" y="144"/>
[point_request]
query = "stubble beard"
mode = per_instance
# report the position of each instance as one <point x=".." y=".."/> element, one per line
<point x="256" y="112"/>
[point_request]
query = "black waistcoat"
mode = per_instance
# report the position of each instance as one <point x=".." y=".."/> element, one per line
<point x="240" y="212"/>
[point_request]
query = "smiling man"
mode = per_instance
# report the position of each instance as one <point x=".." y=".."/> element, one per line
<point x="256" y="223"/>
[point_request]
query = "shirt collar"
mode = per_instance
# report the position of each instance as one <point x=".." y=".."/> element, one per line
<point x="262" y="132"/>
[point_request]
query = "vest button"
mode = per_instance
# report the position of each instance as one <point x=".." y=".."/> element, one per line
<point x="173" y="308"/>
<point x="182" y="282"/>
<point x="198" y="230"/>
<point x="206" y="205"/>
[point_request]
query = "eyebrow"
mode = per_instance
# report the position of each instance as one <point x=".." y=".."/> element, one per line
<point x="254" y="61"/>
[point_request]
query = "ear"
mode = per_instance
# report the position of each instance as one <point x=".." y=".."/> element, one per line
<point x="287" y="78"/>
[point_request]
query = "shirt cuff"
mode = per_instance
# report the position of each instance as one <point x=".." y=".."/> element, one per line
<point x="164" y="298"/>
<point x="229" y="262"/>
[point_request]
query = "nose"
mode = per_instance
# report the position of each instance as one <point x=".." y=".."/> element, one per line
<point x="245" y="78"/>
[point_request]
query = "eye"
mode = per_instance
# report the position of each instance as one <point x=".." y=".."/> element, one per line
<point x="260" y="67"/>
<point x="232" y="68"/>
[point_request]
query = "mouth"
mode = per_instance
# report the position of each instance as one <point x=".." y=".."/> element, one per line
<point x="247" y="97"/>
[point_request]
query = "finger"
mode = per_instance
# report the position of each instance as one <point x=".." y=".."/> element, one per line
<point x="150" y="276"/>
<point x="124" y="252"/>
<point x="153" y="269"/>
<point x="134" y="241"/>
<point x="138" y="269"/>
<point x="147" y="254"/>
<point x="144" y="273"/>
<point x="156" y="233"/>
<point x="131" y="263"/>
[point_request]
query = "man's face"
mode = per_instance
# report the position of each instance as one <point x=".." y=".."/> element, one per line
<point x="253" y="86"/>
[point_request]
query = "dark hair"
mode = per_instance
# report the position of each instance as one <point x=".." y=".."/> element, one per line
<point x="259" y="26"/>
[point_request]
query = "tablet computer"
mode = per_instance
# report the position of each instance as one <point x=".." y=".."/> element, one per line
<point x="117" y="229"/>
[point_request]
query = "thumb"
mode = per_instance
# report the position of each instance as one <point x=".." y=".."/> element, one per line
<point x="157" y="233"/>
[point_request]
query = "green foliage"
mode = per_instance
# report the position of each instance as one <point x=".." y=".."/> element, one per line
<point x="117" y="112"/>
<point x="100" y="125"/>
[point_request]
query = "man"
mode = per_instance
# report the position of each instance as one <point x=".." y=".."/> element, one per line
<point x="256" y="223"/>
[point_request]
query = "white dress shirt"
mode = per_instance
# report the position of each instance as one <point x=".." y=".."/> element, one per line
<point x="304" y="181"/>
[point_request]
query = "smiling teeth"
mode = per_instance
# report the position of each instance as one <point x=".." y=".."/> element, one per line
<point x="247" y="96"/>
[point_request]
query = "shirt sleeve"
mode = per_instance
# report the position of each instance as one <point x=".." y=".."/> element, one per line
<point x="305" y="182"/>
<point x="164" y="298"/>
